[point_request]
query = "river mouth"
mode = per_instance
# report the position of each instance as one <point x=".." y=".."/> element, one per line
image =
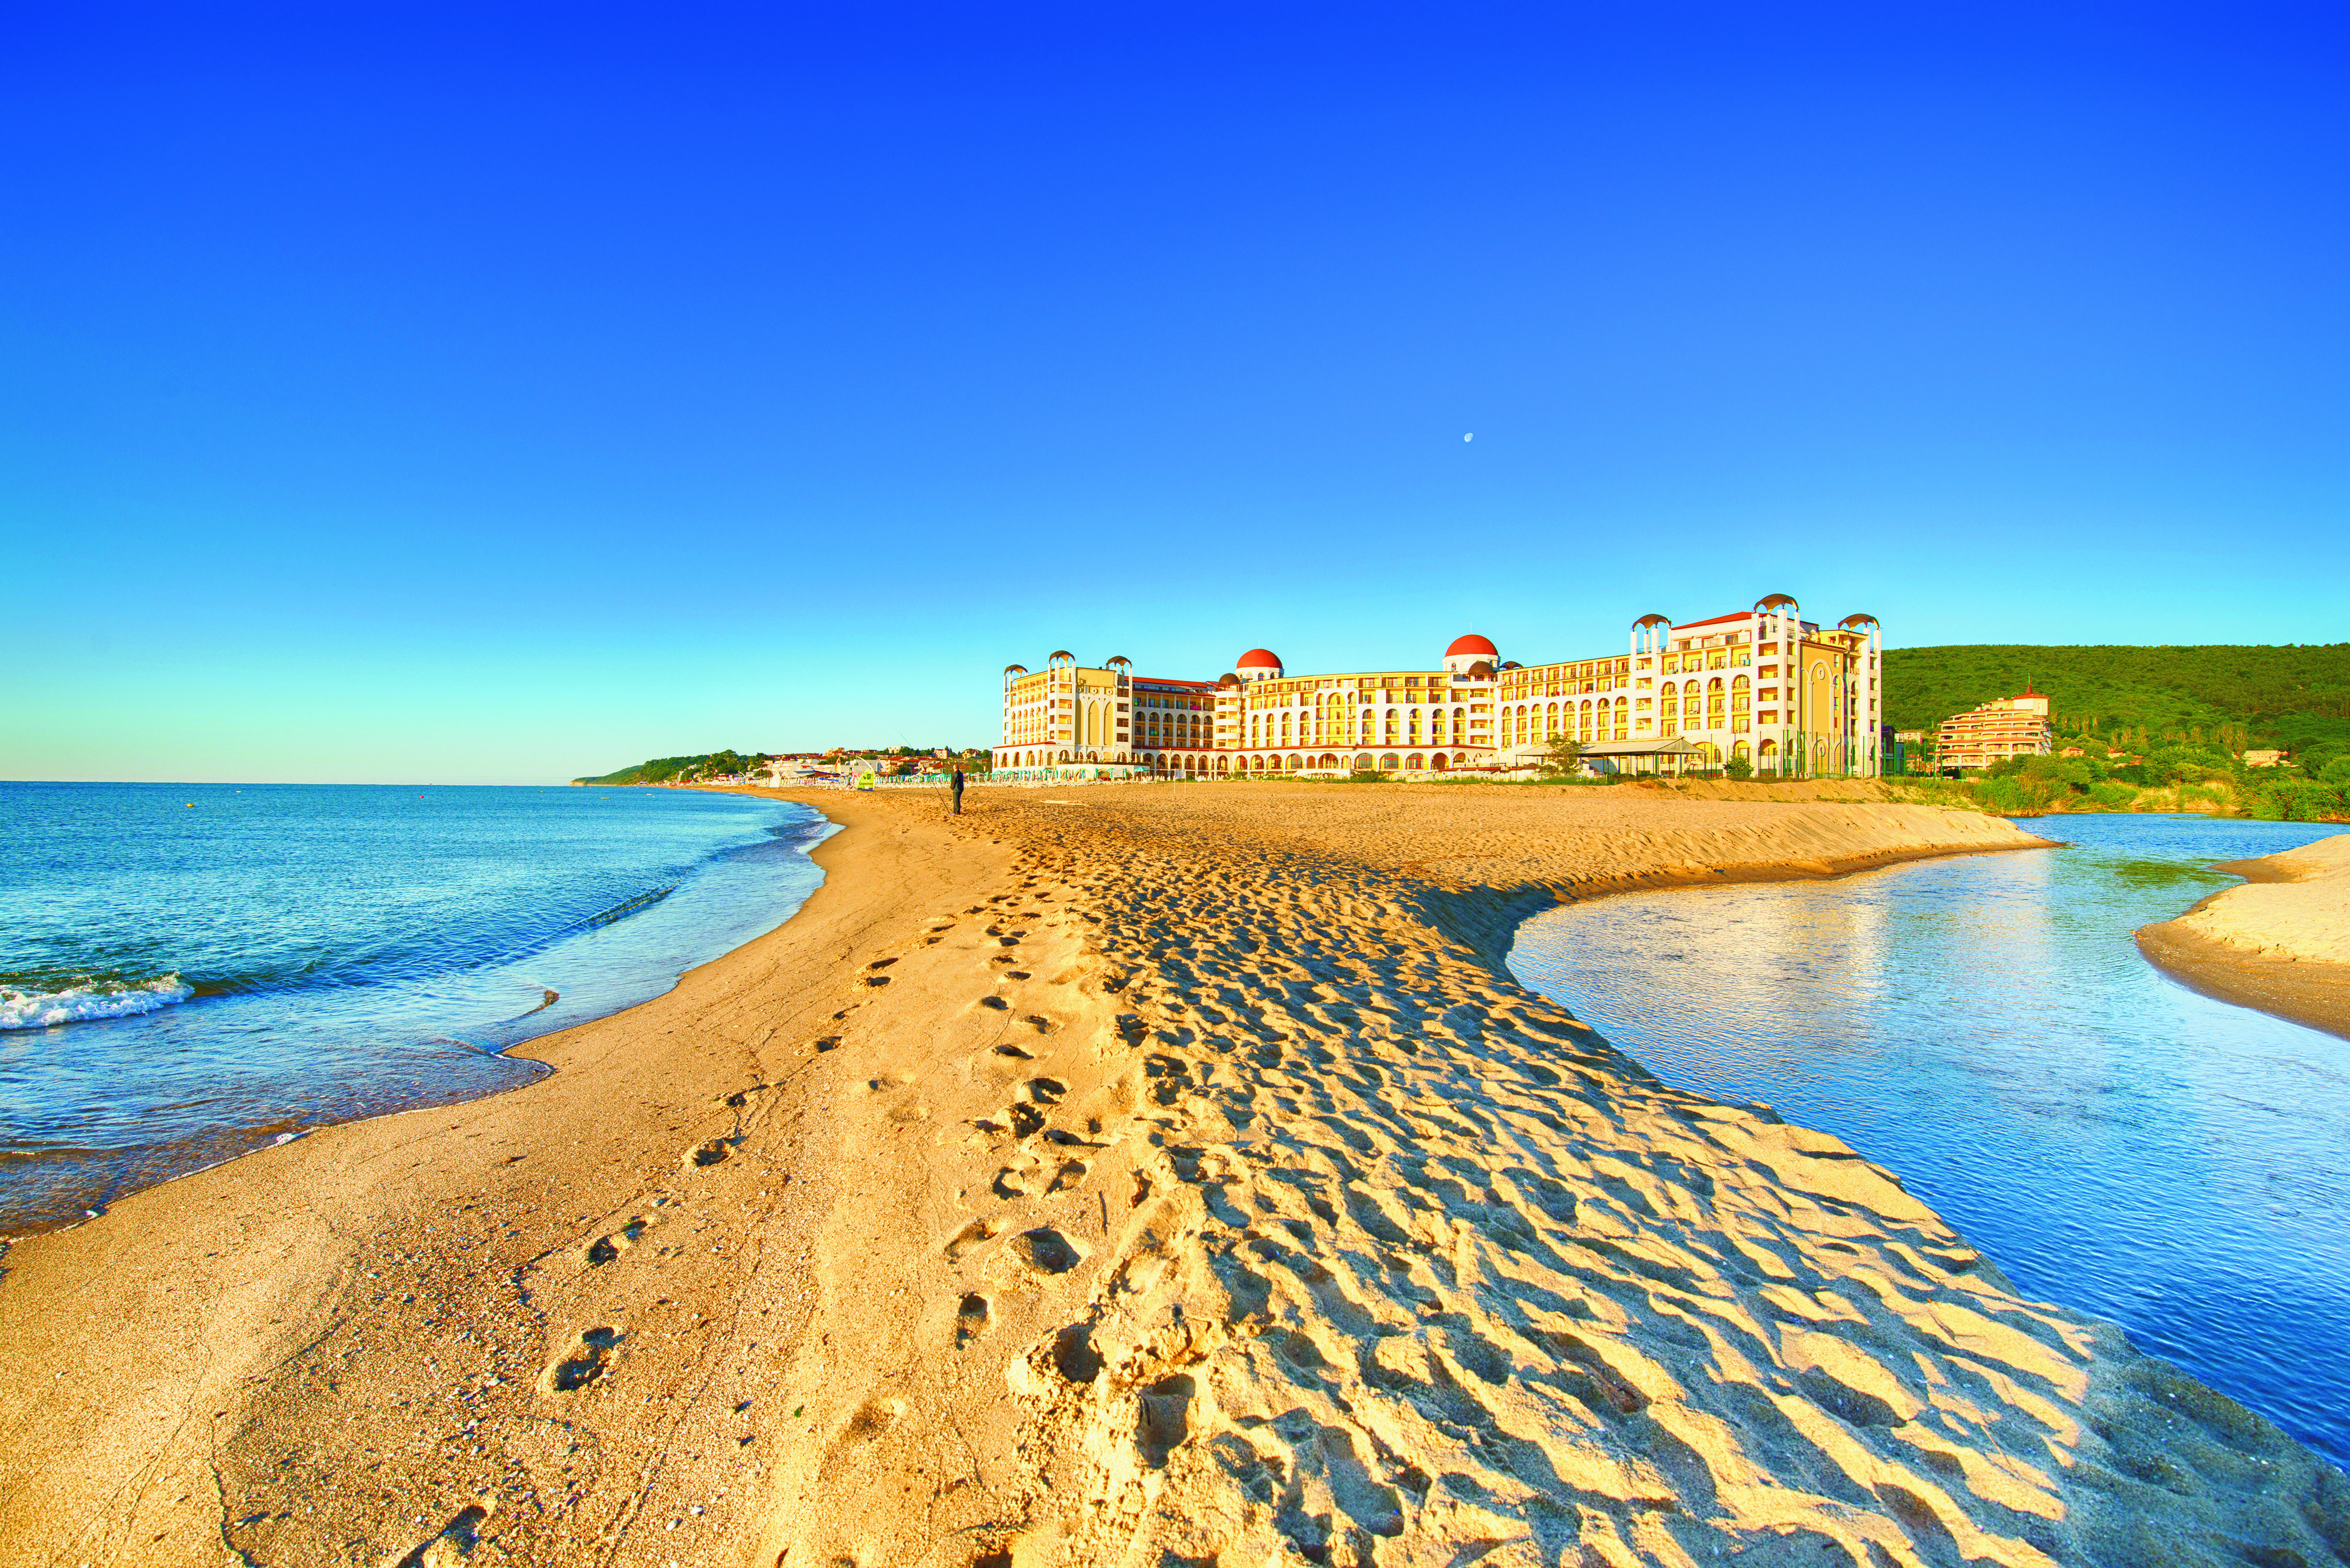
<point x="1985" y="1027"/>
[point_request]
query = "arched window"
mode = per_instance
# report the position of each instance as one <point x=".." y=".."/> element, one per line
<point x="1414" y="761"/>
<point x="1389" y="763"/>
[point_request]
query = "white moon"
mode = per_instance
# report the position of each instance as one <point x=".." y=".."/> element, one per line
<point x="1470" y="436"/>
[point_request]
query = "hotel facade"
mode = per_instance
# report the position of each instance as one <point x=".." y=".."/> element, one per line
<point x="1762" y="684"/>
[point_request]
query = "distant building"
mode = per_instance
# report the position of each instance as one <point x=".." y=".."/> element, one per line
<point x="1763" y="685"/>
<point x="2263" y="759"/>
<point x="793" y="769"/>
<point x="2001" y="727"/>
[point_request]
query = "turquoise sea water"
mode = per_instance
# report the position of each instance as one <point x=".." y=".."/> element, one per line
<point x="187" y="972"/>
<point x="1985" y="1027"/>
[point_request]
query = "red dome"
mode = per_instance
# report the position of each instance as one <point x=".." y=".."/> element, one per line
<point x="1472" y="643"/>
<point x="1258" y="659"/>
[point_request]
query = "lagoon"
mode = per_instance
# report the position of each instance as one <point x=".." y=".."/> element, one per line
<point x="1985" y="1027"/>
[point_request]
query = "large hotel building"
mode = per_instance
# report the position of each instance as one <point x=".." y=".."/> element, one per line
<point x="1764" y="684"/>
<point x="2002" y="728"/>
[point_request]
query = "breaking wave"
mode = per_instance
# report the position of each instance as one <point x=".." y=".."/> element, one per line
<point x="87" y="998"/>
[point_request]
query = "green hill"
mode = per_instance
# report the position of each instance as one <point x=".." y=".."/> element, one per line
<point x="660" y="770"/>
<point x="2296" y="696"/>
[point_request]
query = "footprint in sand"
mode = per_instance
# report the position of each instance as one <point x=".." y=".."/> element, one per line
<point x="1071" y="1173"/>
<point x="970" y="1319"/>
<point x="970" y="1236"/>
<point x="1073" y="1356"/>
<point x="1014" y="1052"/>
<point x="710" y="1151"/>
<point x="996" y="1002"/>
<point x="456" y="1541"/>
<point x="1164" y="1420"/>
<point x="586" y="1363"/>
<point x="874" y="1417"/>
<point x="1046" y="1091"/>
<point x="606" y="1248"/>
<point x="1045" y="1251"/>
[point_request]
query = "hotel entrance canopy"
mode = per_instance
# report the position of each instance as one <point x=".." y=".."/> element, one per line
<point x="1661" y="756"/>
<point x="1669" y="755"/>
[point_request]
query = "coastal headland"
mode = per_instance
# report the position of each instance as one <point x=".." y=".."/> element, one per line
<point x="2279" y="943"/>
<point x="1117" y="1176"/>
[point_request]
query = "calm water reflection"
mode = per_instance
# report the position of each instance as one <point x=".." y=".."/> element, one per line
<point x="1985" y="1027"/>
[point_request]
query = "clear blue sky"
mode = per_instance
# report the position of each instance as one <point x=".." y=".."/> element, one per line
<point x="491" y="392"/>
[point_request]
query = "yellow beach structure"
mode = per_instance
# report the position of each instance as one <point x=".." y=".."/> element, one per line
<point x="1764" y="684"/>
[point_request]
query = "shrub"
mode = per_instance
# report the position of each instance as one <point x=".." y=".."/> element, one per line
<point x="1739" y="768"/>
<point x="2113" y="795"/>
<point x="2003" y="794"/>
<point x="2310" y="801"/>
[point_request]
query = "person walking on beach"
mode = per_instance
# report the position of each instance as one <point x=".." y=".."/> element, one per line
<point x="955" y="787"/>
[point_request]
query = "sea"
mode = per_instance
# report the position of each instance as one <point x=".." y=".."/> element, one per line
<point x="192" y="972"/>
<point x="1985" y="1027"/>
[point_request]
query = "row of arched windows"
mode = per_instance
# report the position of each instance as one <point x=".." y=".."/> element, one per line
<point x="1335" y="722"/>
<point x="1192" y="765"/>
<point x="1705" y="705"/>
<point x="1588" y="721"/>
<point x="1358" y="762"/>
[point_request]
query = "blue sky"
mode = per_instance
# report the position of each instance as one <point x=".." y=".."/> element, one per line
<point x="499" y="393"/>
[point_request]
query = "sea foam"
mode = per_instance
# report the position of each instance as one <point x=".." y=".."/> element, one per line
<point x="92" y="999"/>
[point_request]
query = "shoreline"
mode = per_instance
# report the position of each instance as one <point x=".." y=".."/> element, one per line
<point x="2249" y="945"/>
<point x="381" y="1295"/>
<point x="94" y="1197"/>
<point x="975" y="1208"/>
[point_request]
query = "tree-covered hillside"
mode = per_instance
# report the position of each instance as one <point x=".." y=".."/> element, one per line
<point x="2292" y="696"/>
<point x="660" y="770"/>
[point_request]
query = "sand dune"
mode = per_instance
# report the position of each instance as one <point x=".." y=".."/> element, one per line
<point x="1174" y="1175"/>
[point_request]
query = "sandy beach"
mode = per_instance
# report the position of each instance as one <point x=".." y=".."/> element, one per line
<point x="1142" y="1175"/>
<point x="2280" y="942"/>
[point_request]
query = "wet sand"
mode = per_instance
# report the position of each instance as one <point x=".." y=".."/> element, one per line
<point x="2279" y="944"/>
<point x="1172" y="1174"/>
